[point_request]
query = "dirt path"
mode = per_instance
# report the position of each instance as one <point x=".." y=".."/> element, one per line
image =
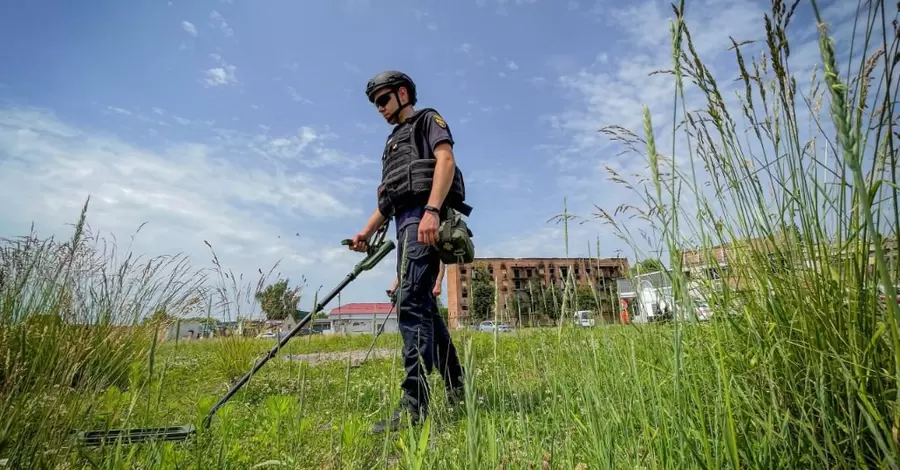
<point x="356" y="357"/>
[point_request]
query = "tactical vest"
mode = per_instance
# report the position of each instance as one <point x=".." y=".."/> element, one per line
<point x="406" y="176"/>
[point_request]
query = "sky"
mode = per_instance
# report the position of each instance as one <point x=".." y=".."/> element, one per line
<point x="244" y="124"/>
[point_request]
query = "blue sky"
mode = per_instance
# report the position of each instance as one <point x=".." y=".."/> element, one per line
<point x="245" y="123"/>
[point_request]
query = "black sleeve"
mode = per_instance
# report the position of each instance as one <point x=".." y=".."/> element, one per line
<point x="436" y="130"/>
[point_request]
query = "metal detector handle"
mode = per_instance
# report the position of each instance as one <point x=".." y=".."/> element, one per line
<point x="366" y="264"/>
<point x="374" y="258"/>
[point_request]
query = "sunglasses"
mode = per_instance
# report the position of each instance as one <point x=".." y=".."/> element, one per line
<point x="383" y="100"/>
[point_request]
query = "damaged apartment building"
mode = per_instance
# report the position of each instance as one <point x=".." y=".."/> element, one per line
<point x="520" y="278"/>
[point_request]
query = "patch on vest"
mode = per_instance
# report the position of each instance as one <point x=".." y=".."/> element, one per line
<point x="440" y="121"/>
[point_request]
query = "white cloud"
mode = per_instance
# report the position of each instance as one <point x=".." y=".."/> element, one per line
<point x="511" y="65"/>
<point x="189" y="28"/>
<point x="296" y="96"/>
<point x="224" y="74"/>
<point x="219" y="22"/>
<point x="253" y="211"/>
<point x="422" y="16"/>
<point x="614" y="89"/>
<point x="220" y="75"/>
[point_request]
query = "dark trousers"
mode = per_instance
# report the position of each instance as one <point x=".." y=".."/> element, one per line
<point x="426" y="340"/>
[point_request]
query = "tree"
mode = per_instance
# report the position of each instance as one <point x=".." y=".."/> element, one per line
<point x="547" y="300"/>
<point x="585" y="299"/>
<point x="481" y="293"/>
<point x="160" y="317"/>
<point x="648" y="265"/>
<point x="277" y="301"/>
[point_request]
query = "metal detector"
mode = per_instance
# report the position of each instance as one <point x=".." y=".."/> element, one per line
<point x="378" y="248"/>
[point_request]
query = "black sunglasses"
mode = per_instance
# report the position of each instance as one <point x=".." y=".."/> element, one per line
<point x="383" y="100"/>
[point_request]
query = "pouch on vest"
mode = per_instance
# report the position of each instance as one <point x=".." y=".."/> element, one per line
<point x="455" y="240"/>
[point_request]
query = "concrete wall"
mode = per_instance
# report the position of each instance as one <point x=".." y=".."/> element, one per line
<point x="183" y="330"/>
<point x="365" y="325"/>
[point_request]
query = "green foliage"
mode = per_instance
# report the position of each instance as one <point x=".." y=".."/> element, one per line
<point x="648" y="265"/>
<point x="159" y="318"/>
<point x="586" y="299"/>
<point x="278" y="302"/>
<point x="481" y="293"/>
<point x="70" y="330"/>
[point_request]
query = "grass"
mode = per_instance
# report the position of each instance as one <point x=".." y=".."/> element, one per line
<point x="799" y="368"/>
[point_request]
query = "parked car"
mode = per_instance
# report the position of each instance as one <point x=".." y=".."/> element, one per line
<point x="490" y="325"/>
<point x="701" y="307"/>
<point x="584" y="318"/>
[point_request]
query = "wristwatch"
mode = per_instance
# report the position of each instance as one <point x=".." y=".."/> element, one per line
<point x="430" y="208"/>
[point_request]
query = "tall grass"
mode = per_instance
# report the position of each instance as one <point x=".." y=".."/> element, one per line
<point x="80" y="325"/>
<point x="69" y="330"/>
<point x="807" y="371"/>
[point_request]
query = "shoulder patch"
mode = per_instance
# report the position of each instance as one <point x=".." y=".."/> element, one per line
<point x="439" y="121"/>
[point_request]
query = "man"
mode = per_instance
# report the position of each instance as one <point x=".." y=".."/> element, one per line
<point x="420" y="183"/>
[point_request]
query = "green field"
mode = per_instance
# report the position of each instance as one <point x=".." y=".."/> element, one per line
<point x="800" y="367"/>
<point x="606" y="397"/>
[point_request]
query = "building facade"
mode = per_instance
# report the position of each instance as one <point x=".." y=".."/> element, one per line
<point x="714" y="265"/>
<point x="516" y="279"/>
<point x="363" y="318"/>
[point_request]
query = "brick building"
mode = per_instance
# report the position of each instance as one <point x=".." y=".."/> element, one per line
<point x="512" y="276"/>
<point x="714" y="264"/>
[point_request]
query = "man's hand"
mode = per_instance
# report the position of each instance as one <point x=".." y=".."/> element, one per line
<point x="428" y="228"/>
<point x="360" y="242"/>
<point x="393" y="288"/>
<point x="440" y="279"/>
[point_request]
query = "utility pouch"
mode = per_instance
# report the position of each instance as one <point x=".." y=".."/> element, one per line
<point x="455" y="240"/>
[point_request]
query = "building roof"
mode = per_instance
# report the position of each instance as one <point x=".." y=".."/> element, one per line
<point x="362" y="308"/>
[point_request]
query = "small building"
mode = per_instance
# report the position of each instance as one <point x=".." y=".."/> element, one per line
<point x="646" y="297"/>
<point x="190" y="329"/>
<point x="363" y="318"/>
<point x="281" y="327"/>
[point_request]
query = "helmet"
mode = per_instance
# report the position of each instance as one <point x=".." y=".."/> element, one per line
<point x="391" y="79"/>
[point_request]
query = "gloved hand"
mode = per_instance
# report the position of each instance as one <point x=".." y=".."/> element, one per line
<point x="392" y="294"/>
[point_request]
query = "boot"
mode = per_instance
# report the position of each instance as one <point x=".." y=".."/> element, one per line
<point x="455" y="396"/>
<point x="397" y="419"/>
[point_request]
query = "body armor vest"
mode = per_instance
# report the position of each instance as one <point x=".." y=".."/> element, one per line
<point x="407" y="176"/>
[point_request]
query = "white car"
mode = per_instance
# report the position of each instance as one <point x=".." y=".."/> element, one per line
<point x="701" y="307"/>
<point x="489" y="325"/>
<point x="584" y="318"/>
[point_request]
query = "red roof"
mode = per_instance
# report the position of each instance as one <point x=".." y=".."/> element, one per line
<point x="362" y="309"/>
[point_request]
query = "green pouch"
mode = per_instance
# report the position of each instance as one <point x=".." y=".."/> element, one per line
<point x="455" y="240"/>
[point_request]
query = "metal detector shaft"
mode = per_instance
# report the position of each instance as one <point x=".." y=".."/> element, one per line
<point x="378" y="333"/>
<point x="377" y="253"/>
<point x="377" y="250"/>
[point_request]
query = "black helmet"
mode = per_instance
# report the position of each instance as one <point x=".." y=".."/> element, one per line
<point x="391" y="79"/>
